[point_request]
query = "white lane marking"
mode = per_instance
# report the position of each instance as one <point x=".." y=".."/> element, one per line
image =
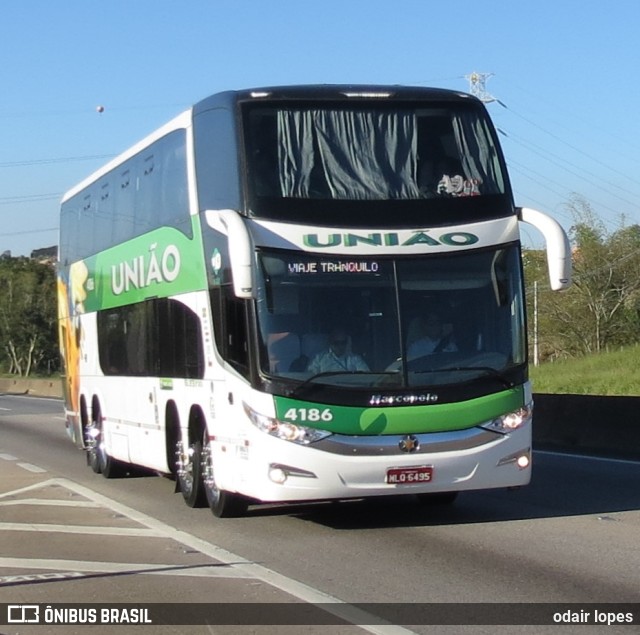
<point x="27" y="488"/>
<point x="82" y="529"/>
<point x="50" y="502"/>
<point x="86" y="566"/>
<point x="32" y="468"/>
<point x="246" y="568"/>
<point x="8" y="457"/>
<point x="239" y="565"/>
<point x="587" y="457"/>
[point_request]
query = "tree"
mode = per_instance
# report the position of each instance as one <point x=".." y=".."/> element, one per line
<point x="28" y="334"/>
<point x="606" y="278"/>
<point x="602" y="307"/>
<point x="545" y="310"/>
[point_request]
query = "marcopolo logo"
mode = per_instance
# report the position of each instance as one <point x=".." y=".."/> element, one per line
<point x="403" y="400"/>
<point x="145" y="270"/>
<point x="391" y="239"/>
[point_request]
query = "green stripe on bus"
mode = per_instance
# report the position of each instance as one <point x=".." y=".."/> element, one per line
<point x="161" y="263"/>
<point x="399" y="419"/>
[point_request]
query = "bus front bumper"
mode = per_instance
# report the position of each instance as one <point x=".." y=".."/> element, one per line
<point x="343" y="467"/>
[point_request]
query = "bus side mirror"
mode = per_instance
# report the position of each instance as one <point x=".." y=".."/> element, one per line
<point x="558" y="248"/>
<point x="240" y="250"/>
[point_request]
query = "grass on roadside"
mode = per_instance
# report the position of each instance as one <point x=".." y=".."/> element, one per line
<point x="611" y="373"/>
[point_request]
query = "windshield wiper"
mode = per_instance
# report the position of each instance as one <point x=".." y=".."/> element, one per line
<point x="487" y="369"/>
<point x="331" y="373"/>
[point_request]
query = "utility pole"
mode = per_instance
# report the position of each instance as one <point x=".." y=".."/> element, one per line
<point x="535" y="323"/>
<point x="477" y="87"/>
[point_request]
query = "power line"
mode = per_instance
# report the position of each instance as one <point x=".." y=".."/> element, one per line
<point x="574" y="170"/>
<point x="566" y="143"/>
<point x="29" y="198"/>
<point x="29" y="231"/>
<point x="27" y="162"/>
<point x="597" y="180"/>
<point x="575" y="114"/>
<point x="613" y="264"/>
<point x="545" y="154"/>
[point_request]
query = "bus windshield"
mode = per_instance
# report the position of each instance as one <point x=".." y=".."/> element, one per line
<point x="358" y="153"/>
<point x="405" y="322"/>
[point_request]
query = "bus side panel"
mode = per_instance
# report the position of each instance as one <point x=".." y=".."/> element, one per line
<point x="69" y="343"/>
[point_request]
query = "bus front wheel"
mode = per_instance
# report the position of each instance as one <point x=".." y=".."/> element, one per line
<point x="223" y="504"/>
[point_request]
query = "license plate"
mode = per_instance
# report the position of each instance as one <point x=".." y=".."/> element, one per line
<point x="409" y="475"/>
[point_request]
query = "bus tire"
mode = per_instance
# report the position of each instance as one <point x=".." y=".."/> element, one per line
<point x="91" y="432"/>
<point x="189" y="473"/>
<point x="110" y="467"/>
<point x="438" y="498"/>
<point x="99" y="460"/>
<point x="92" y="460"/>
<point x="222" y="504"/>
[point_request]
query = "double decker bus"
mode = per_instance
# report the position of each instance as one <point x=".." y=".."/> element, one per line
<point x="303" y="293"/>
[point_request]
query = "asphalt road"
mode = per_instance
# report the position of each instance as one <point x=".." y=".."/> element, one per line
<point x="571" y="537"/>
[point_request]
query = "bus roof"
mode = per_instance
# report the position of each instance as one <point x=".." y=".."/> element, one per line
<point x="309" y="92"/>
<point x="332" y="92"/>
<point x="182" y="120"/>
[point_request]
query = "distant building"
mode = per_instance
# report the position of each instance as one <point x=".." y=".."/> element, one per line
<point x="46" y="254"/>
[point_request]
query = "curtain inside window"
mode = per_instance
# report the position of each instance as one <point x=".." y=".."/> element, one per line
<point x="477" y="153"/>
<point x="347" y="154"/>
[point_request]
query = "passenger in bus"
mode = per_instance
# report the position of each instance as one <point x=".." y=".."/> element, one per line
<point x="338" y="357"/>
<point x="441" y="176"/>
<point x="428" y="335"/>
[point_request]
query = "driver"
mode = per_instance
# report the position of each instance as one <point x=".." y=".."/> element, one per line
<point x="435" y="337"/>
<point x="337" y="357"/>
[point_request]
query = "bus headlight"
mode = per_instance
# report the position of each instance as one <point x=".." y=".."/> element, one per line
<point x="284" y="429"/>
<point x="511" y="421"/>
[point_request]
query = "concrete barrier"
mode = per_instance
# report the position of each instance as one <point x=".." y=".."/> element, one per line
<point x="587" y="424"/>
<point x="580" y="424"/>
<point x="28" y="386"/>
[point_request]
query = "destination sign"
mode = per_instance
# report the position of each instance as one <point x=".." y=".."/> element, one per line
<point x="311" y="267"/>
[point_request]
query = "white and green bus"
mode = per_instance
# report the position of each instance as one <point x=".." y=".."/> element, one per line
<point x="303" y="293"/>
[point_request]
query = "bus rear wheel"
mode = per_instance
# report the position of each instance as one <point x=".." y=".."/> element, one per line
<point x="223" y="504"/>
<point x="92" y="438"/>
<point x="97" y="457"/>
<point x="189" y="473"/>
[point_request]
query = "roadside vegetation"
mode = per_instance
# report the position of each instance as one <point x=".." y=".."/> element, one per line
<point x="601" y="310"/>
<point x="615" y="373"/>
<point x="587" y="339"/>
<point x="28" y="318"/>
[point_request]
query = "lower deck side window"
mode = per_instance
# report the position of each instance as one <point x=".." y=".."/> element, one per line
<point x="158" y="337"/>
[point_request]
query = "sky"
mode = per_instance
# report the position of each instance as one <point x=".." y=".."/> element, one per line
<point x="563" y="74"/>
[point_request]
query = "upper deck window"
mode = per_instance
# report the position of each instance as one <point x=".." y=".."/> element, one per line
<point x="371" y="154"/>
